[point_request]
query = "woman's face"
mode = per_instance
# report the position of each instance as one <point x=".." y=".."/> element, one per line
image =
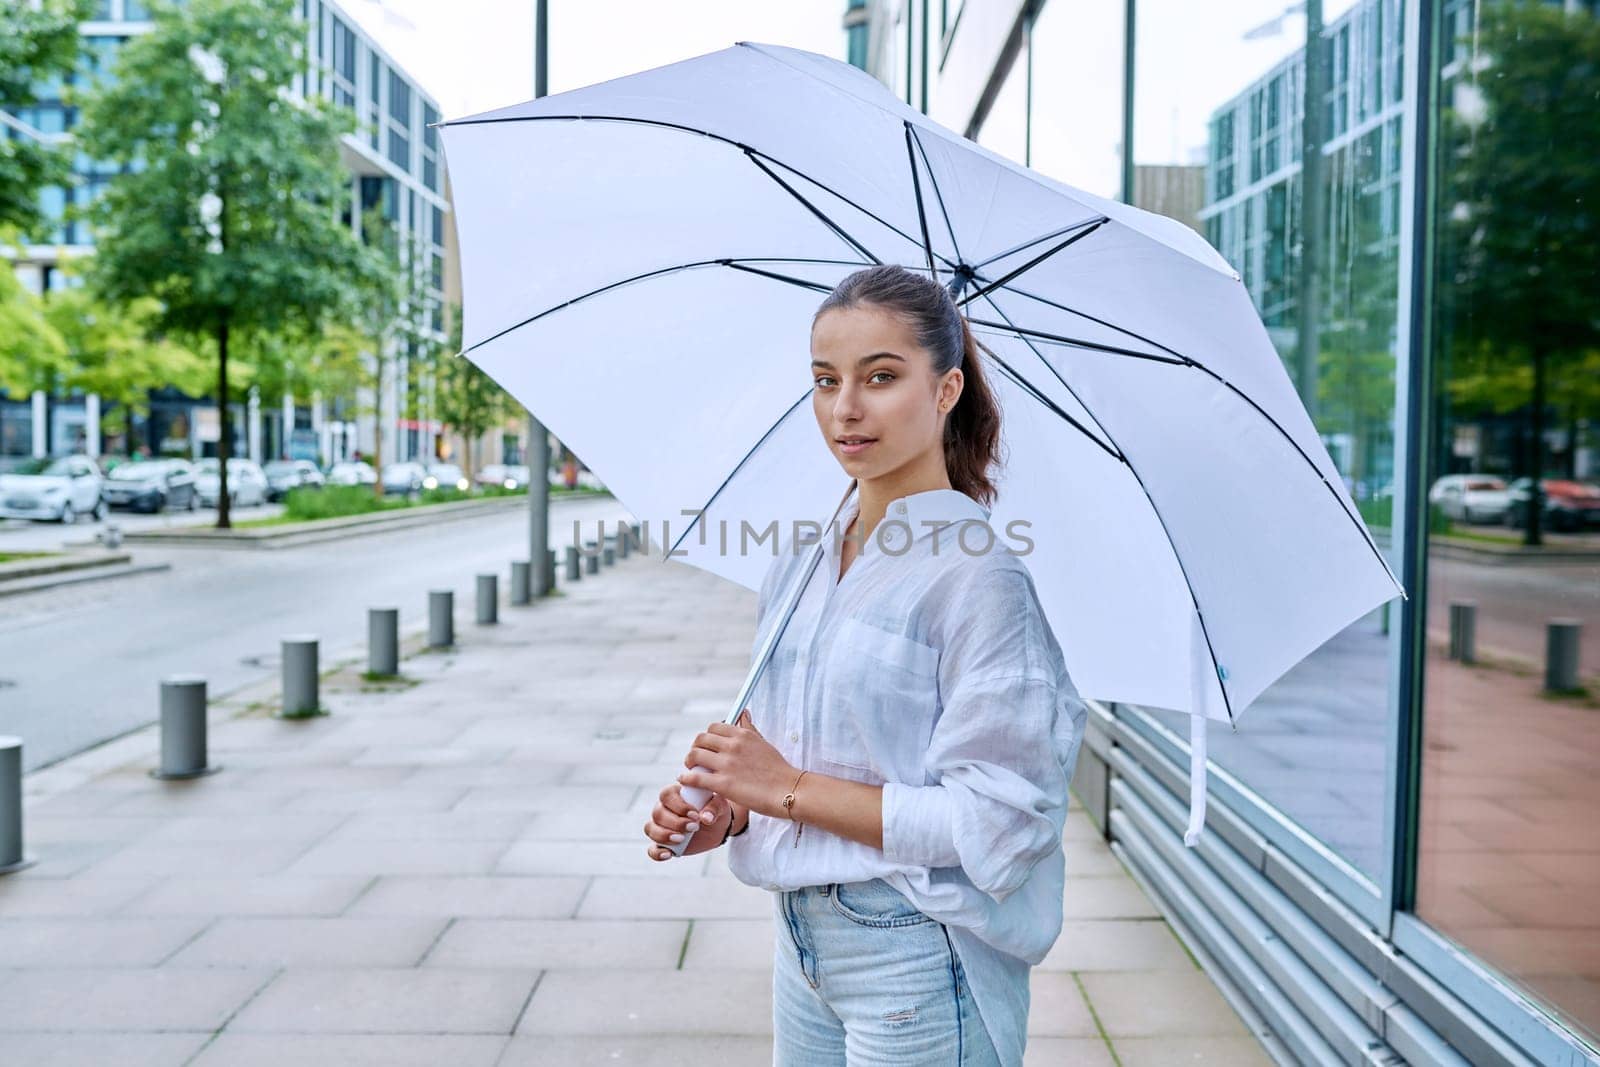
<point x="874" y="383"/>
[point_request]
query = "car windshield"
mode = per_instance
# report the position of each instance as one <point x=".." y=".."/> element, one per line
<point x="137" y="472"/>
<point x="445" y="470"/>
<point x="206" y="466"/>
<point x="55" y="468"/>
<point x="1481" y="484"/>
<point x="281" y="466"/>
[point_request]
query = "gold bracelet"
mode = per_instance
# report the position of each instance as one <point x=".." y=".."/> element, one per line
<point x="788" y="807"/>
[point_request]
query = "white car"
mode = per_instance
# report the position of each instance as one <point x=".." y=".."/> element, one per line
<point x="58" y="489"/>
<point x="503" y="475"/>
<point x="445" y="476"/>
<point x="247" y="484"/>
<point x="352" y="472"/>
<point x="1471" y="497"/>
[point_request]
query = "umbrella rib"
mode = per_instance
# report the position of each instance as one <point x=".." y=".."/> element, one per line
<point x="1024" y="246"/>
<point x="1076" y="342"/>
<point x="1035" y="261"/>
<point x="933" y="181"/>
<point x="1196" y="364"/>
<point x="654" y="274"/>
<point x="809" y="206"/>
<point x="1033" y="391"/>
<point x="801" y="282"/>
<point x="1176" y="555"/>
<point x="790" y="410"/>
<point x="922" y="214"/>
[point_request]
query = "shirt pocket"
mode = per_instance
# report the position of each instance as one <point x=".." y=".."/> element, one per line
<point x="880" y="702"/>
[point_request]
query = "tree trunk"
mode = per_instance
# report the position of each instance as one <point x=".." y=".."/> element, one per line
<point x="225" y="426"/>
<point x="377" y="426"/>
<point x="1535" y="528"/>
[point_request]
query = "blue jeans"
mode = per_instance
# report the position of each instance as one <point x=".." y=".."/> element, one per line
<point x="861" y="977"/>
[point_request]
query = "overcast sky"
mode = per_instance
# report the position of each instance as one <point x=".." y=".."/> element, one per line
<point x="473" y="55"/>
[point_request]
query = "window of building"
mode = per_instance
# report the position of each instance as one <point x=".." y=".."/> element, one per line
<point x="1313" y="747"/>
<point x="1066" y="140"/>
<point x="1508" y="854"/>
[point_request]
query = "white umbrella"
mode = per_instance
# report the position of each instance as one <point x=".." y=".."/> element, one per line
<point x="641" y="261"/>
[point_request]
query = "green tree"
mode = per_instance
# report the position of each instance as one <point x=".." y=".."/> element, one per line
<point x="115" y="352"/>
<point x="32" y="354"/>
<point x="228" y="213"/>
<point x="1522" y="189"/>
<point x="38" y="47"/>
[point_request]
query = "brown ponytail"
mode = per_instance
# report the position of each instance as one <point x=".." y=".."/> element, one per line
<point x="972" y="428"/>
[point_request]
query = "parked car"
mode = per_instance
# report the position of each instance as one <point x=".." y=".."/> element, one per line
<point x="445" y="476"/>
<point x="503" y="475"/>
<point x="247" y="484"/>
<point x="352" y="472"/>
<point x="1568" y="505"/>
<point x="57" y="489"/>
<point x="152" y="485"/>
<point x="286" y="474"/>
<point x="400" y="479"/>
<point x="1471" y="497"/>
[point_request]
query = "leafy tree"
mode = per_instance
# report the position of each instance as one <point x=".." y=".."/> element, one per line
<point x="227" y="213"/>
<point x="38" y="46"/>
<point x="114" y="351"/>
<point x="1521" y="187"/>
<point x="32" y="353"/>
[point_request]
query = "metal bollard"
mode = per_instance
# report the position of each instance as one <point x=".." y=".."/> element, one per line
<point x="608" y="555"/>
<point x="1384" y="628"/>
<point x="183" y="728"/>
<point x="1561" y="654"/>
<point x="488" y="599"/>
<point x="1464" y="630"/>
<point x="549" y="570"/>
<point x="383" y="641"/>
<point x="521" y="583"/>
<point x="300" y="696"/>
<point x="591" y="558"/>
<point x="441" y="618"/>
<point x="574" y="572"/>
<point x="623" y="540"/>
<point x="11" y="855"/>
<point x="639" y="541"/>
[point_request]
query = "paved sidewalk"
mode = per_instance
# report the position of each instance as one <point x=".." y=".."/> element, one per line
<point x="451" y="870"/>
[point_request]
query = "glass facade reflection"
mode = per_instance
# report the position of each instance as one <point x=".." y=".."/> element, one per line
<point x="1508" y="862"/>
<point x="1408" y="190"/>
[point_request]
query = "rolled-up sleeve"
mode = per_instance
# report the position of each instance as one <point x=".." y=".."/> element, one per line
<point x="1002" y="747"/>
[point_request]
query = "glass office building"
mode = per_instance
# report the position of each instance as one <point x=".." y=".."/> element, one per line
<point x="396" y="171"/>
<point x="1403" y="851"/>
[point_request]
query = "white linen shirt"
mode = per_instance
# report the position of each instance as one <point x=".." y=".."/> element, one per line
<point x="929" y="670"/>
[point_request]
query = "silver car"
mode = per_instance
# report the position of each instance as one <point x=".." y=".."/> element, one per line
<point x="58" y="490"/>
<point x="247" y="485"/>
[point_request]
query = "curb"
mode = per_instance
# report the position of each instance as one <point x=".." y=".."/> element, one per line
<point x="57" y="563"/>
<point x="100" y="573"/>
<point x="291" y="535"/>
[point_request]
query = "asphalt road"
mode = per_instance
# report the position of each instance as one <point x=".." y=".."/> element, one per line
<point x="82" y="664"/>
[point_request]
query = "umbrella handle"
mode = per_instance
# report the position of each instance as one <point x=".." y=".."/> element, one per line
<point x="695" y="795"/>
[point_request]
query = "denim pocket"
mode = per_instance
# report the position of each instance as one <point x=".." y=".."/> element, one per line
<point x="875" y="903"/>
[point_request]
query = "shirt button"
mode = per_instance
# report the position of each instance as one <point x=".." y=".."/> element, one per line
<point x="899" y="509"/>
<point x="794" y="736"/>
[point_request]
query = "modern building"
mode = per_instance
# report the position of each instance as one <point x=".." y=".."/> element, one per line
<point x="1401" y="862"/>
<point x="395" y="167"/>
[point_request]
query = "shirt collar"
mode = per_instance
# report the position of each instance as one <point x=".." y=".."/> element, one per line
<point x="923" y="512"/>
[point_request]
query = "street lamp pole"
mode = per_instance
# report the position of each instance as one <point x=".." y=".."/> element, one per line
<point x="538" y="457"/>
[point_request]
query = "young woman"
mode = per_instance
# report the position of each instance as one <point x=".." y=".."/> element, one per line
<point x="904" y="780"/>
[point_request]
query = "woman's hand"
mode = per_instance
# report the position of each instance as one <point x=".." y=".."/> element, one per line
<point x="741" y="765"/>
<point x="672" y="817"/>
